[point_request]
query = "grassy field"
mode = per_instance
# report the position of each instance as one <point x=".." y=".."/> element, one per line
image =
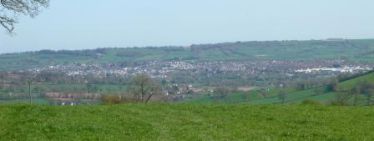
<point x="186" y="122"/>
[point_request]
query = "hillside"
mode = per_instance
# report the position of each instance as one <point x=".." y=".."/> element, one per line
<point x="353" y="82"/>
<point x="326" y="97"/>
<point x="349" y="50"/>
<point x="342" y="86"/>
<point x="293" y="95"/>
<point x="185" y="122"/>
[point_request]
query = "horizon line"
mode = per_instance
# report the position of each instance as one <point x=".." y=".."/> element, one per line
<point x="182" y="46"/>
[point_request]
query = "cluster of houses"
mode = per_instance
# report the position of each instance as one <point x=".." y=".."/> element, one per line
<point x="344" y="69"/>
<point x="166" y="70"/>
<point x="72" y="99"/>
<point x="163" y="69"/>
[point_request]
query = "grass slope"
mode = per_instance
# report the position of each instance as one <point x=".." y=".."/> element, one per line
<point x="186" y="122"/>
<point x="353" y="82"/>
<point x="345" y="85"/>
<point x="293" y="95"/>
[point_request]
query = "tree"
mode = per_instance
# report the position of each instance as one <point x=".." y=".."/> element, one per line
<point x="332" y="86"/>
<point x="355" y="93"/>
<point x="29" y="85"/>
<point x="342" y="97"/>
<point x="282" y="96"/>
<point x="221" y="93"/>
<point x="367" y="89"/>
<point x="144" y="88"/>
<point x="10" y="9"/>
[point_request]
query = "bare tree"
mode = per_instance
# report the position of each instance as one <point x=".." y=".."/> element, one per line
<point x="144" y="88"/>
<point x="221" y="93"/>
<point x="29" y="85"/>
<point x="355" y="93"/>
<point x="282" y="96"/>
<point x="11" y="9"/>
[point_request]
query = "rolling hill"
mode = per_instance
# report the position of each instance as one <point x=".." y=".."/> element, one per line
<point x="350" y="50"/>
<point x="293" y="95"/>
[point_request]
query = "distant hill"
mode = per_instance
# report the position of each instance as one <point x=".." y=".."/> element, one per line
<point x="349" y="50"/>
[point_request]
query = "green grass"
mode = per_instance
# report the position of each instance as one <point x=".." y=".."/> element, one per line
<point x="351" y="83"/>
<point x="186" y="122"/>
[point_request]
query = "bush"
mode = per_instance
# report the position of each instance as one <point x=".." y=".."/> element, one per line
<point x="338" y="103"/>
<point x="311" y="102"/>
<point x="111" y="99"/>
<point x="118" y="99"/>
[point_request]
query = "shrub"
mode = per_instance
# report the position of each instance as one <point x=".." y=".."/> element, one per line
<point x="311" y="102"/>
<point x="118" y="99"/>
<point x="339" y="103"/>
<point x="111" y="99"/>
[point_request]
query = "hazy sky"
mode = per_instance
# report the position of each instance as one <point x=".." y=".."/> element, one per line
<point x="83" y="24"/>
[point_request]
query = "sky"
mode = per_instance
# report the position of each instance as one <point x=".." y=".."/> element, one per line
<point x="88" y="24"/>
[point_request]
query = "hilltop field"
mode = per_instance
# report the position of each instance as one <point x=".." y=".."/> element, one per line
<point x="186" y="122"/>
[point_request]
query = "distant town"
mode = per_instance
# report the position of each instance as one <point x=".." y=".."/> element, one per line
<point x="165" y="69"/>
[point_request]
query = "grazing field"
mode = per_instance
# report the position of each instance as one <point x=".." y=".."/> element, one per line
<point x="186" y="122"/>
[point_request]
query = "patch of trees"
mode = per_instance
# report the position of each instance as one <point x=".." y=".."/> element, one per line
<point x="361" y="94"/>
<point x="345" y="77"/>
<point x="332" y="86"/>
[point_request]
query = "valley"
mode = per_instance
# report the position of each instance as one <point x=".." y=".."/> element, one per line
<point x="183" y="72"/>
